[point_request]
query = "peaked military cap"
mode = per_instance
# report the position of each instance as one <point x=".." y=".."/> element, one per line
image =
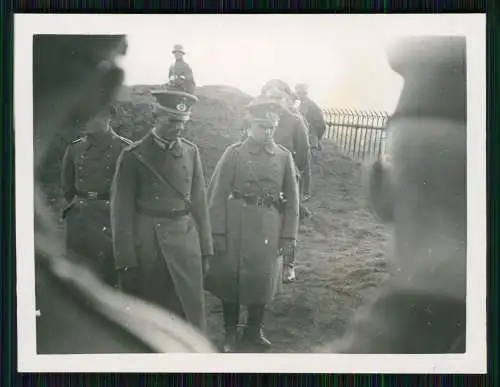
<point x="178" y="48"/>
<point x="175" y="102"/>
<point x="434" y="72"/>
<point x="264" y="111"/>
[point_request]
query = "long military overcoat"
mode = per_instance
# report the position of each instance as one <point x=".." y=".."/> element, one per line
<point x="249" y="272"/>
<point x="88" y="166"/>
<point x="181" y="241"/>
<point x="292" y="133"/>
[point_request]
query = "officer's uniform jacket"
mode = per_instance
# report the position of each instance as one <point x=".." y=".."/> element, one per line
<point x="181" y="68"/>
<point x="87" y="172"/>
<point x="141" y="228"/>
<point x="250" y="269"/>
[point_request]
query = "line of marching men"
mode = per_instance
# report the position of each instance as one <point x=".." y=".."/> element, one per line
<point x="148" y="224"/>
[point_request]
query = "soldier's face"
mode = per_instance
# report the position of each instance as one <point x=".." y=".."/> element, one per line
<point x="300" y="94"/>
<point x="261" y="132"/>
<point x="97" y="124"/>
<point x="178" y="55"/>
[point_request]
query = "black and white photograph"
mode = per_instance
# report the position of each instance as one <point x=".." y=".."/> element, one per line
<point x="251" y="193"/>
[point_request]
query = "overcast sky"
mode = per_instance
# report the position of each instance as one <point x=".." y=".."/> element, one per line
<point x="340" y="57"/>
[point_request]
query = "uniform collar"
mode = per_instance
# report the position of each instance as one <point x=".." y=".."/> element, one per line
<point x="255" y="147"/>
<point x="100" y="140"/>
<point x="164" y="145"/>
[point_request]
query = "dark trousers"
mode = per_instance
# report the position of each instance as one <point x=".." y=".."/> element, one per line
<point x="231" y="313"/>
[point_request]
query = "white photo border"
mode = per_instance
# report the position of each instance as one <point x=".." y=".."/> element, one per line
<point x="473" y="26"/>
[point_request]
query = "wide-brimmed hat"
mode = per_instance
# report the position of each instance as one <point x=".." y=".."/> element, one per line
<point x="178" y="48"/>
<point x="301" y="88"/>
<point x="176" y="103"/>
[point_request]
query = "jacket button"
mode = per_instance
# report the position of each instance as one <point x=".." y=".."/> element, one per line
<point x="157" y="197"/>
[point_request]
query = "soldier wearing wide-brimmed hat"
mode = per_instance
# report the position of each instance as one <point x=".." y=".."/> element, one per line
<point x="254" y="209"/>
<point x="87" y="171"/>
<point x="161" y="227"/>
<point x="180" y="73"/>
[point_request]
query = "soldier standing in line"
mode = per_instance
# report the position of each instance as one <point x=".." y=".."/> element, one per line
<point x="420" y="187"/>
<point x="159" y="214"/>
<point x="254" y="208"/>
<point x="292" y="133"/>
<point x="180" y="73"/>
<point x="87" y="172"/>
<point x="313" y="116"/>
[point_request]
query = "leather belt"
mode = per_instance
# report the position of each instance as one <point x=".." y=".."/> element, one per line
<point x="254" y="200"/>
<point x="94" y="195"/>
<point x="169" y="214"/>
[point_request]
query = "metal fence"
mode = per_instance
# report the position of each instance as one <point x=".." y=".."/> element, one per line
<point x="359" y="133"/>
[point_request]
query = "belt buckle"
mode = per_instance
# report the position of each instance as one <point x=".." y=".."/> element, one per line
<point x="92" y="195"/>
<point x="259" y="201"/>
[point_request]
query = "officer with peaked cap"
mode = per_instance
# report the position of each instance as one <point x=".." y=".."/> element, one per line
<point x="254" y="209"/>
<point x="77" y="313"/>
<point x="180" y="73"/>
<point x="312" y="114"/>
<point x="87" y="172"/>
<point x="420" y="188"/>
<point x="161" y="228"/>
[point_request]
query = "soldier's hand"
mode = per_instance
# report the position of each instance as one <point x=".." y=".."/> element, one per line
<point x="205" y="262"/>
<point x="287" y="249"/>
<point x="306" y="197"/>
<point x="219" y="241"/>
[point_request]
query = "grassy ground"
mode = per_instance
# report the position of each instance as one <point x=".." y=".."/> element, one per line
<point x="341" y="256"/>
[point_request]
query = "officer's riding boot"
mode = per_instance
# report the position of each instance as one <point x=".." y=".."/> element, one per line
<point x="254" y="331"/>
<point x="231" y="313"/>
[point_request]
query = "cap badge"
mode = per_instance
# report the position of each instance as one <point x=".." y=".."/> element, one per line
<point x="181" y="107"/>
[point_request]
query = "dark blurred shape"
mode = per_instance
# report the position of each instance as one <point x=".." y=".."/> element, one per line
<point x="419" y="186"/>
<point x="434" y="72"/>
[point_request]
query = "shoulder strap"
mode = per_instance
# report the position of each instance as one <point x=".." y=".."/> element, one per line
<point x="185" y="198"/>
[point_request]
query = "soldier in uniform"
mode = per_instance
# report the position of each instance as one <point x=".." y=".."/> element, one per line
<point x="313" y="116"/>
<point x="87" y="171"/>
<point x="159" y="214"/>
<point x="180" y="73"/>
<point x="420" y="187"/>
<point x="76" y="312"/>
<point x="292" y="133"/>
<point x="254" y="202"/>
